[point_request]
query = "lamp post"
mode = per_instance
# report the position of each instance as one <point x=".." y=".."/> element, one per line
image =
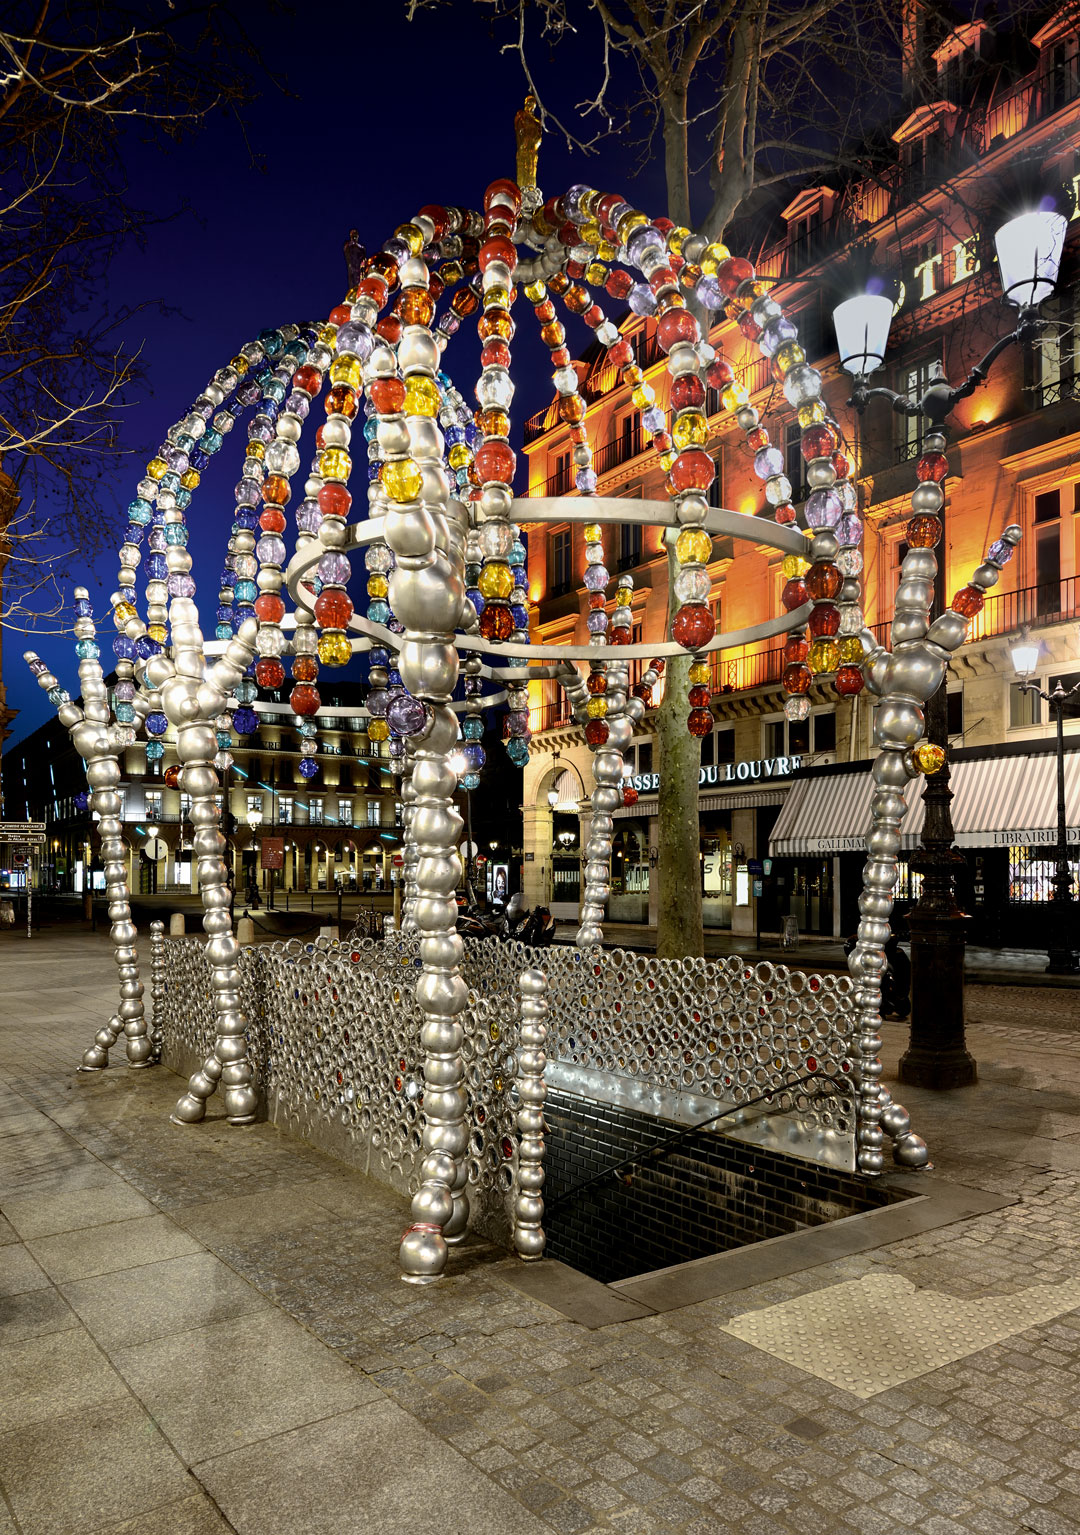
<point x="1061" y="954"/>
<point x="254" y="820"/>
<point x="151" y="836"/>
<point x="1029" y="255"/>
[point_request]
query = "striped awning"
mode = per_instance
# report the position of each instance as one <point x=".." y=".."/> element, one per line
<point x="997" y="802"/>
<point x="733" y="799"/>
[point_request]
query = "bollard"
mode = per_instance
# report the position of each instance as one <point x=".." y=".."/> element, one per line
<point x="328" y="932"/>
<point x="177" y="926"/>
<point x="245" y="930"/>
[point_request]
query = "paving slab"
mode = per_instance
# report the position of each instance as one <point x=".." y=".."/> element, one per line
<point x="156" y="1299"/>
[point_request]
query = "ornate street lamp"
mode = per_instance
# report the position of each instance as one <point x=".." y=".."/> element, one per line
<point x="1061" y="955"/>
<point x="1029" y="250"/>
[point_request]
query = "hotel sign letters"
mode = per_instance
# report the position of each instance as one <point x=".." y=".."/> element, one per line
<point x="720" y="773"/>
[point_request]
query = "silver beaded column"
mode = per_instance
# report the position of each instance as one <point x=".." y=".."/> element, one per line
<point x="190" y="700"/>
<point x="607" y="768"/>
<point x="157" y="984"/>
<point x="529" y="1239"/>
<point x="410" y="857"/>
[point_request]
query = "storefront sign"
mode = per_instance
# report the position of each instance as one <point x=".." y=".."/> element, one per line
<point x="273" y="853"/>
<point x="1019" y="836"/>
<point x="725" y="772"/>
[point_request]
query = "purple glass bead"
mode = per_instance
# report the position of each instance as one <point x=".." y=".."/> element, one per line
<point x="270" y="550"/>
<point x="585" y="481"/>
<point x="597" y="622"/>
<point x="768" y="461"/>
<point x="596" y="578"/>
<point x="708" y="292"/>
<point x="298" y="403"/>
<point x="775" y="334"/>
<point x="406" y="715"/>
<point x="247" y="493"/>
<point x="181" y="586"/>
<point x="38" y="666"/>
<point x="158" y="542"/>
<point x="849" y="530"/>
<point x="176" y="459"/>
<point x="395" y="626"/>
<point x="645" y="238"/>
<point x="125" y="692"/>
<point x="354" y="337"/>
<point x="641" y="299"/>
<point x="377" y="702"/>
<point x="653" y="418"/>
<point x="823" y="509"/>
<point x="517" y="722"/>
<point x="335" y="568"/>
<point x="308" y="517"/>
<point x="1000" y="553"/>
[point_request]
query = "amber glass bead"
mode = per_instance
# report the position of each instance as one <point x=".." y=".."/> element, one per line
<point x="465" y="302"/>
<point x="596" y="682"/>
<point x="676" y="326"/>
<point x="841" y="465"/>
<point x="848" y="681"/>
<point x="493" y="422"/>
<point x="304" y="699"/>
<point x="797" y="679"/>
<point x="694" y="626"/>
<point x="818" y="442"/>
<point x="387" y="395"/>
<point x="699" y="722"/>
<point x="571" y="408"/>
<point x="968" y="601"/>
<point x="276" y="489"/>
<point x="495" y="322"/>
<point x="305" y="669"/>
<point x="698" y="697"/>
<point x="401" y="479"/>
<point x="341" y="400"/>
<point x="172" y="776"/>
<point x="416" y="306"/>
<point x="823" y="656"/>
<point x="929" y="759"/>
<point x="692" y="470"/>
<point x="496" y="460"/>
<point x="544" y="311"/>
<point x="639" y="690"/>
<point x="824" y="621"/>
<point x="576" y="299"/>
<point x="629" y="795"/>
<point x="932" y="466"/>
<point x="794" y="594"/>
<point x="422" y="396"/>
<point x="451" y="273"/>
<point x="596" y="732"/>
<point x="923" y="532"/>
<point x="619" y="637"/>
<point x="269" y="672"/>
<point x="795" y="649"/>
<point x="496" y="623"/>
<point x="823" y="582"/>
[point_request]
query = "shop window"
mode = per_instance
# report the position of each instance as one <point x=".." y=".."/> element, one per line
<point x="955" y="716"/>
<point x="1025" y="708"/>
<point x="824" y="732"/>
<point x="1031" y="875"/>
<point x="560" y="563"/>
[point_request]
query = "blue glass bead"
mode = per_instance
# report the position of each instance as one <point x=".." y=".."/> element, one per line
<point x="87" y="650"/>
<point x="199" y="459"/>
<point x="246" y="591"/>
<point x="224" y="615"/>
<point x="183" y="499"/>
<point x="373" y="471"/>
<point x="145" y="647"/>
<point x="271" y="341"/>
<point x="471" y="433"/>
<point x="517" y="553"/>
<point x="245" y="721"/>
<point x="156" y="724"/>
<point x="518" y="751"/>
<point x="58" y="696"/>
<point x="378" y="611"/>
<point x="156" y="567"/>
<point x="454" y="434"/>
<point x="475" y="596"/>
<point x="245" y="691"/>
<point x="474" y="755"/>
<point x="472" y="728"/>
<point x="308" y="767"/>
<point x="307" y="727"/>
<point x="211" y="440"/>
<point x="521" y="575"/>
<point x="520" y="616"/>
<point x="223" y="631"/>
<point x="377" y="656"/>
<point x="154" y="751"/>
<point x="170" y="481"/>
<point x="84" y="608"/>
<point x="123" y="648"/>
<point x="176" y="533"/>
<point x="81" y="800"/>
<point x="139" y="510"/>
<point x="394" y="679"/>
<point x="125" y="714"/>
<point x="224" y="740"/>
<point x="471" y="781"/>
<point x="135" y="534"/>
<point x="228" y="578"/>
<point x="184" y="441"/>
<point x="247" y="518"/>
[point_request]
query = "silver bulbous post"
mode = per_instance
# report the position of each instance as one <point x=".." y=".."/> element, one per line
<point x="529" y="1239"/>
<point x="157" y="984"/>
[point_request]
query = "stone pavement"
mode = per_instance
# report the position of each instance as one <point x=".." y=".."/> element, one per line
<point x="202" y="1329"/>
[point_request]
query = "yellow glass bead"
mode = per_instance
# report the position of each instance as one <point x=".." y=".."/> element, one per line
<point x="929" y="759"/>
<point x="667" y="459"/>
<point x="239" y="365"/>
<point x="675" y="240"/>
<point x="635" y="219"/>
<point x="122" y="612"/>
<point x="327" y="333"/>
<point x="378" y="730"/>
<point x="157" y="468"/>
<point x="596" y="708"/>
<point x="691" y="430"/>
<point x="789" y="355"/>
<point x="496" y="580"/>
<point x="823" y="656"/>
<point x="412" y="236"/>
<point x="377" y="586"/>
<point x="596" y="274"/>
<point x="401" y="479"/>
<point x="334" y="649"/>
<point x="535" y="292"/>
<point x="734" y="397"/>
<point x="335" y="464"/>
<point x="460" y="455"/>
<point x="813" y="413"/>
<point x="496" y="297"/>
<point x="593" y="532"/>
<point x="851" y="651"/>
<point x="157" y="632"/>
<point x="713" y="255"/>
<point x="590" y="233"/>
<point x="794" y="566"/>
<point x="624" y="597"/>
<point x="693" y="547"/>
<point x="451" y="272"/>
<point x="808" y="533"/>
<point x="422" y="396"/>
<point x="256" y="450"/>
<point x="699" y="674"/>
<point x="347" y="370"/>
<point x="606" y="251"/>
<point x="643" y="396"/>
<point x="190" y="479"/>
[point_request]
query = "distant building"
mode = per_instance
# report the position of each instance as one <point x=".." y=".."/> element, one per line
<point x="1014" y="456"/>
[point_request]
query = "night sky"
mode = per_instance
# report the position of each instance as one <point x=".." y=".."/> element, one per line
<point x="383" y="116"/>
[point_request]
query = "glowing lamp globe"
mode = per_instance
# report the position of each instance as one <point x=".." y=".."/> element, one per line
<point x="862" y="332"/>
<point x="1029" y="255"/>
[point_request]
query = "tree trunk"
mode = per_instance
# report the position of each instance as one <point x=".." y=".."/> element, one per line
<point x="679" y="931"/>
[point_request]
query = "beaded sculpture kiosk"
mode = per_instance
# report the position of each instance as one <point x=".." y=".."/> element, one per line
<point x="446" y="590"/>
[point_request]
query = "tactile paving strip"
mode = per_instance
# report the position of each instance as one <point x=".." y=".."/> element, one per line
<point x="868" y="1335"/>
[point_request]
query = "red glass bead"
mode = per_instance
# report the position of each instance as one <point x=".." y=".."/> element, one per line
<point x="692" y="470"/>
<point x="172" y="776"/>
<point x="823" y="582"/>
<point x="597" y="600"/>
<point x="341" y="314"/>
<point x="438" y="216"/>
<point x="334" y="500"/>
<point x="305" y="669"/>
<point x="503" y="191"/>
<point x="663" y="277"/>
<point x="629" y="795"/>
<point x="848" y="681"/>
<point x="720" y="373"/>
<point x="560" y="357"/>
<point x="818" y="442"/>
<point x="496" y="461"/>
<point x="923" y="532"/>
<point x="619" y="284"/>
<point x="619" y="636"/>
<point x="269" y="672"/>
<point x="390" y="329"/>
<point x="374" y="288"/>
<point x="308" y="379"/>
<point x="797" y="679"/>
<point x="687" y="392"/>
<point x="699" y="722"/>
<point x="824" y="621"/>
<point x="932" y="466"/>
<point x="694" y="626"/>
<point x="841" y="465"/>
<point x="785" y="513"/>
<point x="304" y="699"/>
<point x="698" y="696"/>
<point x="757" y="439"/>
<point x="387" y="395"/>
<point x="496" y="622"/>
<point x="333" y="608"/>
<point x="269" y="609"/>
<point x="748" y="325"/>
<point x="675" y="326"/>
<point x="498" y="249"/>
<point x="596" y="732"/>
<point x="271" y="520"/>
<point x="794" y="594"/>
<point x="495" y="353"/>
<point x="732" y="272"/>
<point x="796" y="648"/>
<point x="968" y="601"/>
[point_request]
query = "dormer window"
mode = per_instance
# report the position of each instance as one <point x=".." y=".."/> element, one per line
<point x="923" y="138"/>
<point x="1059" y="51"/>
<point x="955" y="56"/>
<point x="807" y="217"/>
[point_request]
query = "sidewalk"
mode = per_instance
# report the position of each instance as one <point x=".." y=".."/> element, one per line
<point x="203" y="1330"/>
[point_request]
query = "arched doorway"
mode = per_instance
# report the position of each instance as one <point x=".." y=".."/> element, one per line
<point x="373" y="866"/>
<point x="347" y="873"/>
<point x="564" y="795"/>
<point x="629" y="901"/>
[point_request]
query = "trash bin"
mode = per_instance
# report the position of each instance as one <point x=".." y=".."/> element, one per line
<point x="789" y="937"/>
